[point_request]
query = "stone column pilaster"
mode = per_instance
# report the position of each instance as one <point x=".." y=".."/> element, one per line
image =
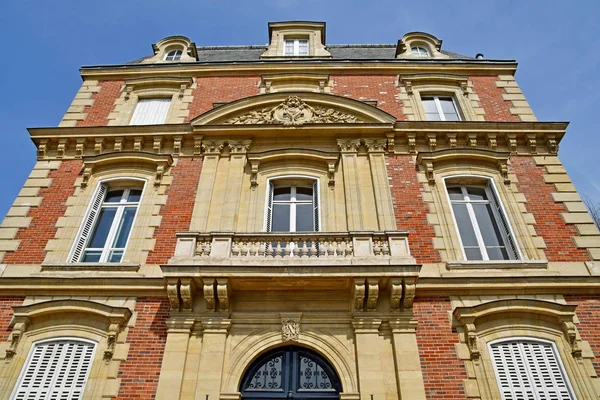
<point x="408" y="363"/>
<point x="231" y="205"/>
<point x="212" y="355"/>
<point x="212" y="153"/>
<point x="368" y="357"/>
<point x="381" y="184"/>
<point x="349" y="150"/>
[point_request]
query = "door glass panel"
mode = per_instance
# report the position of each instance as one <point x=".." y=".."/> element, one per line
<point x="281" y="218"/>
<point x="473" y="253"/>
<point x="497" y="253"/>
<point x="115" y="256"/>
<point x="487" y="225"/>
<point x="102" y="227"/>
<point x="304" y="218"/>
<point x="124" y="227"/>
<point x="467" y="234"/>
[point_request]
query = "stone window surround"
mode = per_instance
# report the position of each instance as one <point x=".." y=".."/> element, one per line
<point x="290" y="178"/>
<point x="58" y="319"/>
<point x="163" y="46"/>
<point x="419" y="39"/>
<point x="446" y="231"/>
<point x="280" y="31"/>
<point x="482" y="324"/>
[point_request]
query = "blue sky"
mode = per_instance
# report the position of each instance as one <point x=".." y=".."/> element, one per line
<point x="45" y="42"/>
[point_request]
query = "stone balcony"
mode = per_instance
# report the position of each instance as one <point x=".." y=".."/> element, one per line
<point x="363" y="264"/>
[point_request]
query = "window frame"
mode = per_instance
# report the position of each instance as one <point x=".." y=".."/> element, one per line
<point x="268" y="200"/>
<point x="556" y="352"/>
<point x="489" y="185"/>
<point x="26" y="364"/>
<point x="144" y="99"/>
<point x="114" y="226"/>
<point x="420" y="48"/>
<point x="175" y="57"/>
<point x="296" y="47"/>
<point x="438" y="106"/>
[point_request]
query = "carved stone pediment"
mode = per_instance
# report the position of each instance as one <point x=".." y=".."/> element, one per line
<point x="294" y="112"/>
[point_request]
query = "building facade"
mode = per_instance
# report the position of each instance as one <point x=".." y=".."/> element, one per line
<point x="299" y="220"/>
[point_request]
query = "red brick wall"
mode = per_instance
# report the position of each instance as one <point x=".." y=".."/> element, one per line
<point x="42" y="228"/>
<point x="6" y="314"/>
<point x="490" y="98"/>
<point x="218" y="89"/>
<point x="588" y="313"/>
<point x="177" y="212"/>
<point x="557" y="235"/>
<point x="382" y="88"/>
<point x="409" y="208"/>
<point x="139" y="373"/>
<point x="104" y="103"/>
<point x="443" y="372"/>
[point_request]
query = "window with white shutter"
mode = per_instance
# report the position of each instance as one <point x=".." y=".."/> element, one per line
<point x="150" y="112"/>
<point x="292" y="206"/>
<point x="55" y="369"/>
<point x="529" y="369"/>
<point x="107" y="226"/>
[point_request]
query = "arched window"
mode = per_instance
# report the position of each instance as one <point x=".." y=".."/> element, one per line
<point x="290" y="372"/>
<point x="174" y="55"/>
<point x="419" y="51"/>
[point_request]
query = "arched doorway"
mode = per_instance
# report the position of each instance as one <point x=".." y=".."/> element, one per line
<point x="290" y="373"/>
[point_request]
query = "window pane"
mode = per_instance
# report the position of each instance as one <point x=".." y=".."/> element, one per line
<point x="497" y="253"/>
<point x="124" y="227"/>
<point x="281" y="218"/>
<point x="303" y="47"/>
<point x="487" y="225"/>
<point x="473" y="254"/>
<point x="114" y="196"/>
<point x="304" y="218"/>
<point x="102" y="227"/>
<point x="134" y="195"/>
<point x="115" y="256"/>
<point x="304" y="193"/>
<point x="467" y="234"/>
<point x="289" y="47"/>
<point x="282" y="193"/>
<point x="476" y="193"/>
<point x="455" y="193"/>
<point x="91" y="256"/>
<point x="432" y="117"/>
<point x="448" y="109"/>
<point x="429" y="105"/>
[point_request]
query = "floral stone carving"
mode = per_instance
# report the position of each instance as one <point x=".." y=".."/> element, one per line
<point x="294" y="112"/>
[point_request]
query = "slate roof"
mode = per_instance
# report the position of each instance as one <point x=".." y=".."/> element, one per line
<point x="220" y="54"/>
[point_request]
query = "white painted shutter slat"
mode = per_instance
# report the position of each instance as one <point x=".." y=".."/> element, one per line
<point x="269" y="219"/>
<point x="89" y="223"/>
<point x="529" y="370"/>
<point x="150" y="112"/>
<point x="316" y="206"/>
<point x="56" y="370"/>
<point x="511" y="246"/>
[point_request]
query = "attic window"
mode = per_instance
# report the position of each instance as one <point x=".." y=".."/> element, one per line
<point x="296" y="47"/>
<point x="419" y="51"/>
<point x="174" y="55"/>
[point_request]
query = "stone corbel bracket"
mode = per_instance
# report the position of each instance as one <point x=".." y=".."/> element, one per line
<point x="430" y="160"/>
<point x="365" y="294"/>
<point x="181" y="293"/>
<point x="563" y="315"/>
<point x="159" y="161"/>
<point x="116" y="319"/>
<point x="217" y="294"/>
<point x="172" y="84"/>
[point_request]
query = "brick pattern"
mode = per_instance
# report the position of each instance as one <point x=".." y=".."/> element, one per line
<point x="557" y="235"/>
<point x="104" y="103"/>
<point x="382" y="88"/>
<point x="443" y="372"/>
<point x="490" y="98"/>
<point x="218" y="89"/>
<point x="588" y="313"/>
<point x="409" y="208"/>
<point x="6" y="313"/>
<point x="177" y="212"/>
<point x="42" y="228"/>
<point x="140" y="372"/>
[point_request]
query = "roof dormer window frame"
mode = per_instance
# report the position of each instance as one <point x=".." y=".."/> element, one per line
<point x="296" y="47"/>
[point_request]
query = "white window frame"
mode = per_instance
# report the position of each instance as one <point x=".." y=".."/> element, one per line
<point x="57" y="339"/>
<point x="296" y="46"/>
<point x="317" y="184"/>
<point x="114" y="227"/>
<point x="488" y="186"/>
<point x="173" y="55"/>
<point x="136" y="111"/>
<point x="421" y="51"/>
<point x="438" y="105"/>
<point x="522" y="339"/>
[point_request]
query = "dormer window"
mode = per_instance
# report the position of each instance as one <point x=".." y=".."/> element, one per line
<point x="173" y="55"/>
<point x="419" y="51"/>
<point x="296" y="47"/>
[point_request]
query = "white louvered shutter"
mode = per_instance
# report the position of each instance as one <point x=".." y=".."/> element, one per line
<point x="88" y="224"/>
<point x="316" y="206"/>
<point x="528" y="370"/>
<point x="56" y="370"/>
<point x="269" y="216"/>
<point x="150" y="112"/>
<point x="511" y="246"/>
